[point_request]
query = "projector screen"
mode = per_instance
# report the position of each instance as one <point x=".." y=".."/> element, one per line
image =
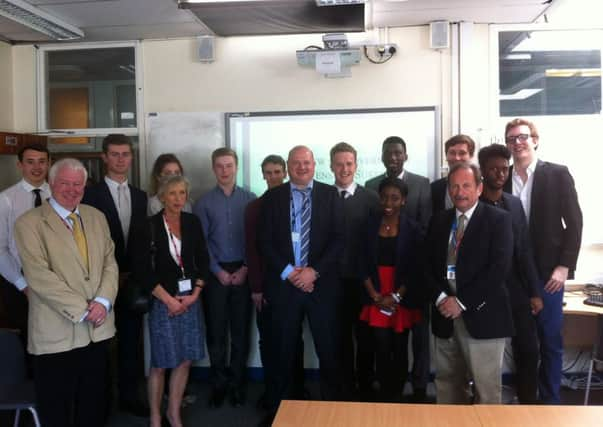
<point x="256" y="135"/>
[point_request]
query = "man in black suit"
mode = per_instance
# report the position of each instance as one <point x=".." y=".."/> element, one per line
<point x="123" y="206"/>
<point x="418" y="201"/>
<point x="459" y="148"/>
<point x="301" y="241"/>
<point x="523" y="281"/>
<point x="358" y="204"/>
<point x="469" y="253"/>
<point x="550" y="201"/>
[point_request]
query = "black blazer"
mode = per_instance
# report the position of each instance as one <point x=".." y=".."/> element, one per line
<point x="438" y="195"/>
<point x="409" y="255"/>
<point x="483" y="263"/>
<point x="166" y="271"/>
<point x="326" y="236"/>
<point x="99" y="196"/>
<point x="523" y="282"/>
<point x="554" y="203"/>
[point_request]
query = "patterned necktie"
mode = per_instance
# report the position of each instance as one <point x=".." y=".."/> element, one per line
<point x="304" y="231"/>
<point x="79" y="237"/>
<point x="455" y="242"/>
<point x="38" y="198"/>
<point x="123" y="210"/>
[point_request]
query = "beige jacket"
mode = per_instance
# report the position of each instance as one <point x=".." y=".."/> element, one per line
<point x="59" y="284"/>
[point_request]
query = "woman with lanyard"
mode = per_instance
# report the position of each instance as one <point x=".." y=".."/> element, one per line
<point x="175" y="271"/>
<point x="392" y="269"/>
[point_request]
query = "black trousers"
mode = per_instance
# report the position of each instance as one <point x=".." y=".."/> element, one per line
<point x="525" y="354"/>
<point x="350" y="311"/>
<point x="227" y="309"/>
<point x="420" y="352"/>
<point x="129" y="353"/>
<point x="289" y="307"/>
<point x="70" y="386"/>
<point x="391" y="358"/>
<point x="269" y="358"/>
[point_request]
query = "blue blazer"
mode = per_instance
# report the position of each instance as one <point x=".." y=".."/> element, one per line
<point x="408" y="263"/>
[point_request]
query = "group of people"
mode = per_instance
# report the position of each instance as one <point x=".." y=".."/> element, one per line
<point x="481" y="255"/>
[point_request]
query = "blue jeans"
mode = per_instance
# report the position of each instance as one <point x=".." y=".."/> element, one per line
<point x="549" y="323"/>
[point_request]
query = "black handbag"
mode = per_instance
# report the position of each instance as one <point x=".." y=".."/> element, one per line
<point x="137" y="296"/>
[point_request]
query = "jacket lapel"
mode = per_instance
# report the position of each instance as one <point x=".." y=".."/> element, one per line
<point x="63" y="232"/>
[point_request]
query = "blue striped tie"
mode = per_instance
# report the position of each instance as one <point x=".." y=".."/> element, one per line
<point x="304" y="231"/>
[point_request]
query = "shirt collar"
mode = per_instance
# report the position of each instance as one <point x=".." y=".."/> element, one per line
<point x="467" y="214"/>
<point x="115" y="184"/>
<point x="529" y="170"/>
<point x="309" y="186"/>
<point x="351" y="189"/>
<point x="61" y="211"/>
<point x="401" y="176"/>
<point x="28" y="187"/>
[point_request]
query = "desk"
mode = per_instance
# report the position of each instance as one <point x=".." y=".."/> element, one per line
<point x="355" y="414"/>
<point x="579" y="321"/>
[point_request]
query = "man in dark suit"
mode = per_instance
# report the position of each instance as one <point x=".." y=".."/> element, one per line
<point x="359" y="204"/>
<point x="122" y="205"/>
<point x="418" y="201"/>
<point x="550" y="201"/>
<point x="301" y="241"/>
<point x="523" y="282"/>
<point x="459" y="148"/>
<point x="469" y="253"/>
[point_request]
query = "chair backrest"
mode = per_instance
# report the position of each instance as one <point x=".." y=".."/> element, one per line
<point x="12" y="358"/>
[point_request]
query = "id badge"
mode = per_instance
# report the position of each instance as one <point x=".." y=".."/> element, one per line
<point x="294" y="236"/>
<point x="451" y="272"/>
<point x="184" y="285"/>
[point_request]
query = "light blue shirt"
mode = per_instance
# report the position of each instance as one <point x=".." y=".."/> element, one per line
<point x="64" y="215"/>
<point x="297" y="200"/>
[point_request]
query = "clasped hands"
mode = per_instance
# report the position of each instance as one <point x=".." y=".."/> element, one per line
<point x="179" y="304"/>
<point x="97" y="313"/>
<point x="449" y="308"/>
<point x="235" y="279"/>
<point x="385" y="302"/>
<point x="303" y="278"/>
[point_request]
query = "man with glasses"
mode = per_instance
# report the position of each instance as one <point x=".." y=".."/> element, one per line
<point x="548" y="195"/>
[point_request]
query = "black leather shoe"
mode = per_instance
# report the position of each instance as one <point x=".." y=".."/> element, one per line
<point x="237" y="398"/>
<point x="217" y="397"/>
<point x="134" y="408"/>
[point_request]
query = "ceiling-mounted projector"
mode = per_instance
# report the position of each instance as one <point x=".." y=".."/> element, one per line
<point x="333" y="60"/>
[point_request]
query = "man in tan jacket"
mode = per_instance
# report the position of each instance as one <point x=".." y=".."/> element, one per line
<point x="67" y="256"/>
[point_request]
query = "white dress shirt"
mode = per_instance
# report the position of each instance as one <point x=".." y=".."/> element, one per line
<point x="350" y="190"/>
<point x="120" y="193"/>
<point x="524" y="190"/>
<point x="14" y="202"/>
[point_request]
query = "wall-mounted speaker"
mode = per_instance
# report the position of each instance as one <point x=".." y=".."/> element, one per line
<point x="207" y="49"/>
<point x="439" y="35"/>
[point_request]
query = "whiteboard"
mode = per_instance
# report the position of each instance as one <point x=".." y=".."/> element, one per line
<point x="255" y="135"/>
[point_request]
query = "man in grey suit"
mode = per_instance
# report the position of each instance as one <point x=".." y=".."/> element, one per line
<point x="418" y="207"/>
<point x="418" y="201"/>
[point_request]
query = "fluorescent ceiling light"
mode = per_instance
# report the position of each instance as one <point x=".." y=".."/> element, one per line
<point x="38" y="20"/>
<point x="519" y="95"/>
<point x="518" y="56"/>
<point x="338" y="2"/>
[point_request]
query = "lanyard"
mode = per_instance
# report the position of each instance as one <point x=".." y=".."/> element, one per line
<point x="178" y="256"/>
<point x="453" y="238"/>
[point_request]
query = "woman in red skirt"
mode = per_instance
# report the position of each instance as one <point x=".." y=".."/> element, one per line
<point x="393" y="267"/>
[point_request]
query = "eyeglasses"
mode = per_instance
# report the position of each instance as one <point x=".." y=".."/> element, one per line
<point x="512" y="139"/>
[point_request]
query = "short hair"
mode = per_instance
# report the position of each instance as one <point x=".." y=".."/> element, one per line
<point x="67" y="163"/>
<point x="460" y="139"/>
<point x="492" y="151"/>
<point x="297" y="148"/>
<point x="523" y="122"/>
<point x="343" y="147"/>
<point x="169" y="181"/>
<point x="391" y="140"/>
<point x="477" y="175"/>
<point x="395" y="183"/>
<point x="42" y="148"/>
<point x="116" y="139"/>
<point x="276" y="159"/>
<point x="222" y="152"/>
<point x="160" y="162"/>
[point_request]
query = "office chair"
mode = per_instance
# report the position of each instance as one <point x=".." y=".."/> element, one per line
<point x="16" y="392"/>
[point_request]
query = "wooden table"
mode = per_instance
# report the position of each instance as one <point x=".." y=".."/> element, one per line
<point x="355" y="414"/>
<point x="580" y="327"/>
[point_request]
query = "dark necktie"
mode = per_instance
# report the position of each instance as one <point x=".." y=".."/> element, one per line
<point x="343" y="194"/>
<point x="38" y="198"/>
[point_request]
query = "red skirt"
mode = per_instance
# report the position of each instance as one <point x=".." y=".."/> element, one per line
<point x="403" y="318"/>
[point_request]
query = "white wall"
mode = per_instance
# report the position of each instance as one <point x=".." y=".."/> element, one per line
<point x="6" y="87"/>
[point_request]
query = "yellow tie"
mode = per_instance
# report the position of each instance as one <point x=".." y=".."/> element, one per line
<point x="79" y="237"/>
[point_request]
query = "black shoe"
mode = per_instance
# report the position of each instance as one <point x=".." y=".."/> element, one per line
<point x="262" y="402"/>
<point x="217" y="397"/>
<point x="419" y="396"/>
<point x="134" y="408"/>
<point x="237" y="398"/>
